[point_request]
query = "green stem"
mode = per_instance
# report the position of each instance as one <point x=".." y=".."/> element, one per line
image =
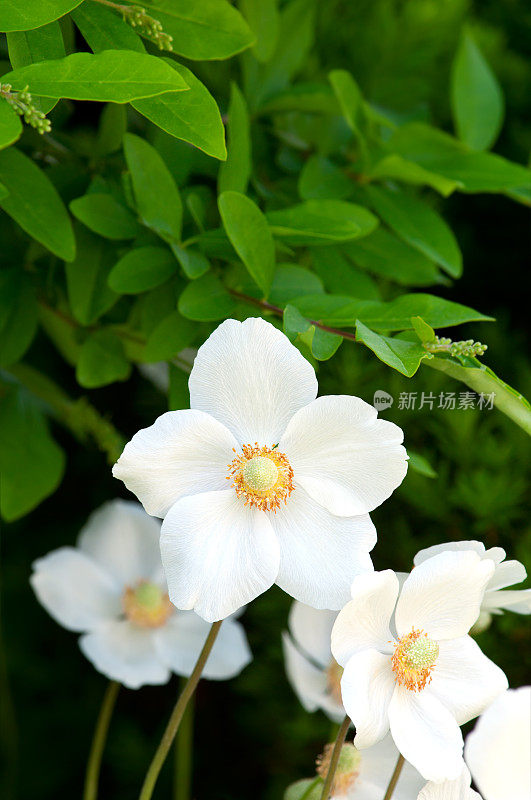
<point x="98" y="742"/>
<point x="184" y="746"/>
<point x="336" y="752"/>
<point x="177" y="715"/>
<point x="394" y="777"/>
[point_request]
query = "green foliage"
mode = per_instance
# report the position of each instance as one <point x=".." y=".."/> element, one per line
<point x="250" y="236"/>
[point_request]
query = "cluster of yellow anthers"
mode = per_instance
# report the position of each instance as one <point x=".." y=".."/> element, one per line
<point x="146" y="605"/>
<point x="413" y="660"/>
<point x="262" y="476"/>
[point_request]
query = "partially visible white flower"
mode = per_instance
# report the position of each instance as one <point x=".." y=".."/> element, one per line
<point x="459" y="789"/>
<point x="112" y="589"/>
<point x="506" y="573"/>
<point x="498" y="750"/>
<point x="413" y="669"/>
<point x="311" y="668"/>
<point x="259" y="482"/>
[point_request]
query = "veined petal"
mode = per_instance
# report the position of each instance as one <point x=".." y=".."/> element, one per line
<point x="367" y="687"/>
<point x="376" y="769"/>
<point x="426" y="734"/>
<point x="464" y="679"/>
<point x="182" y="453"/>
<point x="124" y="541"/>
<point x="251" y="378"/>
<point x="429" y="552"/>
<point x="309" y="682"/>
<point x="364" y="621"/>
<point x="450" y="790"/>
<point x="311" y="629"/>
<point x="124" y="652"/>
<point x="443" y="595"/>
<point x="497" y="751"/>
<point x="74" y="590"/>
<point x="320" y="554"/>
<point x="507" y="574"/>
<point x="217" y="553"/>
<point x="346" y="458"/>
<point x="181" y="640"/>
<point x="517" y="600"/>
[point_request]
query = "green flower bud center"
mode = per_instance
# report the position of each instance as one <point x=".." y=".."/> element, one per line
<point x="349" y="759"/>
<point x="148" y="596"/>
<point x="260" y="473"/>
<point x="422" y="653"/>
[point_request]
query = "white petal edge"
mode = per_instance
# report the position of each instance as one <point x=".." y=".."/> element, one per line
<point x="181" y="640"/>
<point x="311" y="629"/>
<point x="126" y="653"/>
<point x="507" y="574"/>
<point x="442" y="596"/>
<point x="364" y="621"/>
<point x="320" y="554"/>
<point x="74" y="590"/>
<point x="367" y="687"/>
<point x="516" y="600"/>
<point x="217" y="554"/>
<point x="450" y="790"/>
<point x="182" y="453"/>
<point x="448" y="547"/>
<point x="251" y="378"/>
<point x="375" y="770"/>
<point x="309" y="682"/>
<point x="346" y="458"/>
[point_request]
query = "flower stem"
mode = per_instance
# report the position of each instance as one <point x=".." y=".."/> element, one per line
<point x="98" y="742"/>
<point x="336" y="752"/>
<point x="183" y="753"/>
<point x="394" y="777"/>
<point x="177" y="715"/>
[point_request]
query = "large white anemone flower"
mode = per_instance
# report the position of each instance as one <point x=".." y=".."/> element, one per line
<point x="413" y="669"/>
<point x="260" y="482"/>
<point x="112" y="589"/>
<point x="498" y="750"/>
<point x="506" y="573"/>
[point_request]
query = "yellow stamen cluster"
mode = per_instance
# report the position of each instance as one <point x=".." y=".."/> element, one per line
<point x="334" y="673"/>
<point x="347" y="767"/>
<point x="262" y="476"/>
<point x="146" y="605"/>
<point x="413" y="660"/>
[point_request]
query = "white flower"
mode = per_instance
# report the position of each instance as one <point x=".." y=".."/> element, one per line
<point x="111" y="588"/>
<point x="506" y="573"/>
<point x="413" y="669"/>
<point x="259" y="482"/>
<point x="458" y="789"/>
<point x="498" y="751"/>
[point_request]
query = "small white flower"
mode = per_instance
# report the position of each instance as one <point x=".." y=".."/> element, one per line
<point x="498" y="751"/>
<point x="506" y="573"/>
<point x="112" y="589"/>
<point x="259" y="482"/>
<point x="413" y="669"/>
<point x="458" y="789"/>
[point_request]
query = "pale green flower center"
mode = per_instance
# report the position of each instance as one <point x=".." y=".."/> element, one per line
<point x="146" y="604"/>
<point x="414" y="659"/>
<point x="148" y="595"/>
<point x="260" y="473"/>
<point x="422" y="653"/>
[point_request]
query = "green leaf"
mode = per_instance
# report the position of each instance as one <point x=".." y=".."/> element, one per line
<point x="420" y="464"/>
<point x="324" y="344"/>
<point x="401" y="355"/>
<point x="321" y="222"/>
<point x="193" y="262"/>
<point x="111" y="129"/>
<point x="294" y="322"/>
<point x="339" y="275"/>
<point x="263" y="19"/>
<point x="350" y="100"/>
<point x="103" y="29"/>
<point x="206" y="299"/>
<point x="305" y="789"/>
<point x="234" y="174"/>
<point x="102" y="361"/>
<point x="141" y="269"/>
<point x="29" y="47"/>
<point x="249" y="233"/>
<point x="157" y="196"/>
<point x="171" y="335"/>
<point x="10" y="124"/>
<point x="34" y="203"/>
<point x="204" y="29"/>
<point x="477" y="99"/>
<point x="29" y="14"/>
<point x="104" y="215"/>
<point x="424" y="331"/>
<point x="400" y="169"/>
<point x="320" y="179"/>
<point x="18" y="315"/>
<point x="292" y="281"/>
<point x="89" y="295"/>
<point x="31" y="463"/>
<point x="192" y="116"/>
<point x="316" y="98"/>
<point x="116" y="75"/>
<point x="382" y="253"/>
<point x="420" y="226"/>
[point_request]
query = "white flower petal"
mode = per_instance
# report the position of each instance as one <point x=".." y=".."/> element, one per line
<point x="182" y="453"/>
<point x="507" y="574"/>
<point x="311" y="629"/>
<point x="450" y="790"/>
<point x="442" y="596"/>
<point x="364" y="621"/>
<point x="320" y="554"/>
<point x="309" y="682"/>
<point x="498" y="751"/>
<point x="376" y="767"/>
<point x="251" y="378"/>
<point x="217" y="553"/>
<point x="343" y="455"/>
<point x="124" y="541"/>
<point x="429" y="552"/>
<point x="124" y="652"/>
<point x="464" y="679"/>
<point x="517" y="600"/>
<point x="74" y="590"/>
<point x="181" y="640"/>
<point x="367" y="687"/>
<point x="426" y="734"/>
